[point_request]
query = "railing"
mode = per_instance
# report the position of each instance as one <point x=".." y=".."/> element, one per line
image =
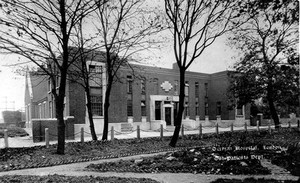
<point x="211" y="129"/>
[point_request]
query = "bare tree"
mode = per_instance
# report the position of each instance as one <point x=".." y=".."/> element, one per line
<point x="195" y="25"/>
<point x="42" y="33"/>
<point x="124" y="27"/>
<point x="79" y="72"/>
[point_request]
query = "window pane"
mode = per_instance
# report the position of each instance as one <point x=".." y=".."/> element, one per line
<point x="206" y="108"/>
<point x="157" y="110"/>
<point x="239" y="111"/>
<point x="129" y="108"/>
<point x="129" y="85"/>
<point x="143" y="86"/>
<point x="196" y="89"/>
<point x="186" y="90"/>
<point x="96" y="102"/>
<point x="143" y="108"/>
<point x="218" y="108"/>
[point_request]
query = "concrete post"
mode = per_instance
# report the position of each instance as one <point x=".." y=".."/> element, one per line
<point x="231" y="127"/>
<point x="5" y="139"/>
<point x="138" y="132"/>
<point x="161" y="132"/>
<point x="47" y="137"/>
<point x="112" y="133"/>
<point x="246" y="127"/>
<point x="257" y="125"/>
<point x="217" y="129"/>
<point x="200" y="130"/>
<point x="82" y="135"/>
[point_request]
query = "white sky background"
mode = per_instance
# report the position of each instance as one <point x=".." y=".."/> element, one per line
<point x="12" y="86"/>
<point x="217" y="57"/>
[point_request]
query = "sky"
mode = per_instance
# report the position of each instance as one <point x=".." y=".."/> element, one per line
<point x="217" y="57"/>
<point x="11" y="89"/>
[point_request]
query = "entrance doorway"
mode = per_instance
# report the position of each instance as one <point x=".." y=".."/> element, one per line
<point x="168" y="114"/>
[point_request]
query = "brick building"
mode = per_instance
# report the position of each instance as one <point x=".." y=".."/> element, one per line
<point x="148" y="98"/>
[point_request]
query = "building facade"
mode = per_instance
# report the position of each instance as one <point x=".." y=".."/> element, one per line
<point x="147" y="97"/>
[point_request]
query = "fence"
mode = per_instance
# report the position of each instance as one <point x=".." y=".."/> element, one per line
<point x="213" y="129"/>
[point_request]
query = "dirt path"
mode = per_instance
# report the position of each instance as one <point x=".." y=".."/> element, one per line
<point x="77" y="169"/>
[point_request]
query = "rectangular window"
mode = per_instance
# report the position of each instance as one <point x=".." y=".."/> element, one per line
<point x="129" y="108"/>
<point x="50" y="109"/>
<point x="240" y="110"/>
<point x="196" y="90"/>
<point x="143" y="108"/>
<point x="96" y="102"/>
<point x="40" y="110"/>
<point x="186" y="89"/>
<point x="197" y="107"/>
<point x="186" y="111"/>
<point x="206" y="109"/>
<point x="129" y="84"/>
<point x="95" y="69"/>
<point x="44" y="109"/>
<point x="143" y="86"/>
<point x="219" y="108"/>
<point x="49" y="85"/>
<point x="95" y="75"/>
<point x="157" y="110"/>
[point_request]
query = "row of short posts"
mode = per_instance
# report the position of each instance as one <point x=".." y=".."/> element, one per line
<point x="138" y="133"/>
<point x="47" y="138"/>
<point x="231" y="128"/>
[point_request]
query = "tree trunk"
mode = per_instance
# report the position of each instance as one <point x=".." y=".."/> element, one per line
<point x="106" y="105"/>
<point x="90" y="114"/>
<point x="274" y="113"/>
<point x="60" y="127"/>
<point x="178" y="118"/>
<point x="59" y="100"/>
<point x="59" y="104"/>
<point x="272" y="106"/>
